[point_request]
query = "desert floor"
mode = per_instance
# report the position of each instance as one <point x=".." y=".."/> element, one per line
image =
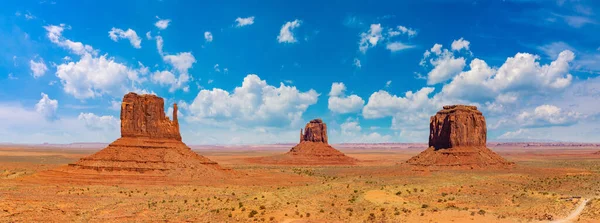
<point x="547" y="183"/>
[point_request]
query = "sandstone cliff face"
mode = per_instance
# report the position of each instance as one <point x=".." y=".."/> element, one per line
<point x="144" y="116"/>
<point x="457" y="125"/>
<point x="457" y="140"/>
<point x="315" y="131"/>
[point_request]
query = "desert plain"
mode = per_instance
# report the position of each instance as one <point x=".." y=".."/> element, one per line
<point x="557" y="182"/>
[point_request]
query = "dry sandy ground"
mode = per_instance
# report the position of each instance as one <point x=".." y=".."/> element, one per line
<point x="546" y="184"/>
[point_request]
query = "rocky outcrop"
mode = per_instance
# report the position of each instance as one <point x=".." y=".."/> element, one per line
<point x="457" y="139"/>
<point x="144" y="116"/>
<point x="313" y="149"/>
<point x="457" y="125"/>
<point x="150" y="143"/>
<point x="314" y="131"/>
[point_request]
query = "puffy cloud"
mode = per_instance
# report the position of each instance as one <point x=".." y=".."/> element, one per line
<point x="357" y="63"/>
<point x="38" y="68"/>
<point x="523" y="70"/>
<point x="159" y="44"/>
<point x="55" y="36"/>
<point x="149" y="35"/>
<point x="116" y="34"/>
<point x="352" y="132"/>
<point x="445" y="65"/>
<point x="370" y="38"/>
<point x="388" y="83"/>
<point x="459" y="44"/>
<point x="255" y="103"/>
<point x="520" y="75"/>
<point x="164" y="77"/>
<point x="46" y="107"/>
<point x="339" y="103"/>
<point x="286" y="34"/>
<point x="404" y="30"/>
<point x="548" y="115"/>
<point x="469" y="84"/>
<point x="244" y="21"/>
<point x="350" y="127"/>
<point x="375" y="35"/>
<point x="25" y="125"/>
<point x="382" y="103"/>
<point x="182" y="62"/>
<point x="93" y="76"/>
<point x="99" y="123"/>
<point x="208" y="36"/>
<point x="337" y="89"/>
<point x="162" y="23"/>
<point x="397" y="46"/>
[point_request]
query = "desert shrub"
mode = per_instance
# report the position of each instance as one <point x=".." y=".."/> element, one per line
<point x="424" y="206"/>
<point x="262" y="207"/>
<point x="399" y="193"/>
<point x="308" y="215"/>
<point x="481" y="212"/>
<point x="371" y="217"/>
<point x="252" y="213"/>
<point x="444" y="194"/>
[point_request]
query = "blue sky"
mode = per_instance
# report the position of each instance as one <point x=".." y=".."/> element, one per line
<point x="247" y="72"/>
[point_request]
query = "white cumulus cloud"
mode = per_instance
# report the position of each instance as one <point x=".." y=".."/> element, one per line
<point x="38" y="68"/>
<point x="244" y="21"/>
<point x="339" y="103"/>
<point x="162" y="23"/>
<point x="286" y="34"/>
<point x="46" y="107"/>
<point x="255" y="103"/>
<point x="116" y="34"/>
<point x="208" y="36"/>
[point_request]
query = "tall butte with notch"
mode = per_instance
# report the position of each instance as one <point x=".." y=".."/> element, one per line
<point x="457" y="140"/>
<point x="150" y="144"/>
<point x="313" y="149"/>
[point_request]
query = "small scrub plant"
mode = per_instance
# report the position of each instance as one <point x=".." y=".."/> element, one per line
<point x="252" y="213"/>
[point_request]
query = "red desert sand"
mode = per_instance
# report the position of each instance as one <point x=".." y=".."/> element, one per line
<point x="457" y="140"/>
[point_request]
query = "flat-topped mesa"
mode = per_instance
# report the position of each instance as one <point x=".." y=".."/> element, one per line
<point x="144" y="116"/>
<point x="457" y="126"/>
<point x="457" y="139"/>
<point x="314" y="131"/>
<point x="313" y="149"/>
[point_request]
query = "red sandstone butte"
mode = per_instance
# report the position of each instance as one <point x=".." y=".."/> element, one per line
<point x="457" y="139"/>
<point x="150" y="142"/>
<point x="313" y="149"/>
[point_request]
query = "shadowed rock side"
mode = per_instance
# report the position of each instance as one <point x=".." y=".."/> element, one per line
<point x="457" y="139"/>
<point x="150" y="145"/>
<point x="313" y="149"/>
